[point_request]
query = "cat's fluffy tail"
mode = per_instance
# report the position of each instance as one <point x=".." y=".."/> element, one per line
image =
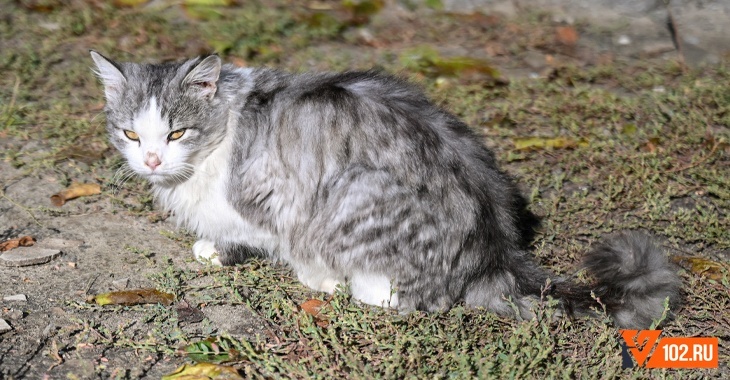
<point x="633" y="280"/>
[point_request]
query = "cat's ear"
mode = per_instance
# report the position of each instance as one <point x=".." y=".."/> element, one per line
<point x="203" y="78"/>
<point x="110" y="74"/>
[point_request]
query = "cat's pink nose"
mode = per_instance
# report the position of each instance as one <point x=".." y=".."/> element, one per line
<point x="152" y="160"/>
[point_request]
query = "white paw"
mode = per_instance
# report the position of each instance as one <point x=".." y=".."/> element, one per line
<point x="318" y="278"/>
<point x="328" y="285"/>
<point x="205" y="252"/>
<point x="373" y="289"/>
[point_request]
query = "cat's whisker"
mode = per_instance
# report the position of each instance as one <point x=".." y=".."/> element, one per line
<point x="119" y="185"/>
<point x="98" y="114"/>
<point x="113" y="180"/>
<point x="121" y="171"/>
<point x="121" y="177"/>
<point x="182" y="171"/>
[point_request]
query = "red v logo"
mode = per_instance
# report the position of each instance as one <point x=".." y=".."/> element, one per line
<point x="640" y="343"/>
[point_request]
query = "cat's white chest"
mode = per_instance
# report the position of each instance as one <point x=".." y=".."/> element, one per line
<point x="200" y="204"/>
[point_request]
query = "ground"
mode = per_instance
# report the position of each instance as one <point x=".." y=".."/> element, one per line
<point x="600" y="140"/>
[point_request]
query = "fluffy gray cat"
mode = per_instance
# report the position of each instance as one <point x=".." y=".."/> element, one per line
<point x="352" y="178"/>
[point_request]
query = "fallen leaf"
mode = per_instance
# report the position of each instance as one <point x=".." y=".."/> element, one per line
<point x="25" y="241"/>
<point x="362" y="10"/>
<point x="628" y="129"/>
<point x="209" y="3"/>
<point x="212" y="350"/>
<point x="132" y="297"/>
<point x="206" y="10"/>
<point x="534" y="143"/>
<point x="43" y="6"/>
<point x="313" y="307"/>
<point x="566" y="35"/>
<point x="701" y="266"/>
<point x="203" y="371"/>
<point x="128" y="3"/>
<point x="426" y="60"/>
<point x="74" y="191"/>
<point x="651" y="145"/>
<point x="197" y="12"/>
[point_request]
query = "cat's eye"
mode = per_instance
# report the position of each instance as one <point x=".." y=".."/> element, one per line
<point x="132" y="135"/>
<point x="174" y="135"/>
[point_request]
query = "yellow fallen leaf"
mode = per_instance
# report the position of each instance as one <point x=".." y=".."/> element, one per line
<point x="701" y="266"/>
<point x="74" y="191"/>
<point x="132" y="297"/>
<point x="527" y="143"/>
<point x="429" y="61"/>
<point x="628" y="129"/>
<point x="203" y="371"/>
<point x="209" y="3"/>
<point x="129" y="3"/>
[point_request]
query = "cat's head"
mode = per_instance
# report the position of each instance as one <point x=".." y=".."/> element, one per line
<point x="163" y="118"/>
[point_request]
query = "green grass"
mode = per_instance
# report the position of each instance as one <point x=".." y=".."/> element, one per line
<point x="656" y="159"/>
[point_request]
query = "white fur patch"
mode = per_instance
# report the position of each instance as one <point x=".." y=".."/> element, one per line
<point x="205" y="252"/>
<point x="373" y="289"/>
<point x="317" y="277"/>
<point x="152" y="129"/>
<point x="110" y="75"/>
<point x="200" y="204"/>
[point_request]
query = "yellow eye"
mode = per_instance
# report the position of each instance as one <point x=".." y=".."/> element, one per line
<point x="174" y="135"/>
<point x="131" y="135"/>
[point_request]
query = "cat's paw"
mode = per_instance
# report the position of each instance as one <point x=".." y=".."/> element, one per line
<point x="328" y="285"/>
<point x="318" y="280"/>
<point x="205" y="252"/>
<point x="373" y="289"/>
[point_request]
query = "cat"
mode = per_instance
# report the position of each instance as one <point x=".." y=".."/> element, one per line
<point x="354" y="178"/>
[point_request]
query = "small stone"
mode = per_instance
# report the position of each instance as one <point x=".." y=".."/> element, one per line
<point x="15" y="314"/>
<point x="47" y="331"/>
<point x="121" y="284"/>
<point x="16" y="297"/>
<point x="188" y="314"/>
<point x="24" y="256"/>
<point x="656" y="49"/>
<point x="58" y="312"/>
<point x="366" y="36"/>
<point x="623" y="40"/>
<point x="50" y="26"/>
<point x="535" y="60"/>
<point x="4" y="326"/>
